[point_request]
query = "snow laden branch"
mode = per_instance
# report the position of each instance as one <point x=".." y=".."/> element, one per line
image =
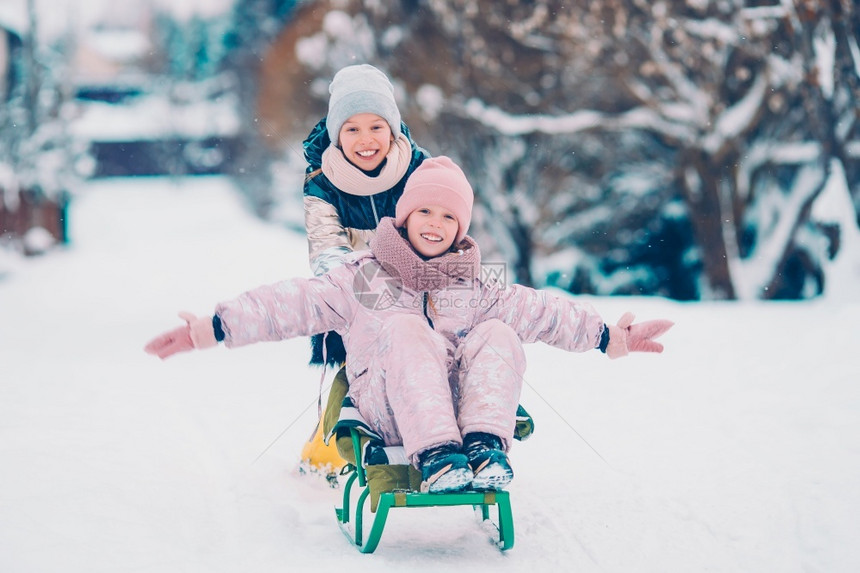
<point x="736" y="119"/>
<point x="752" y="275"/>
<point x="567" y="124"/>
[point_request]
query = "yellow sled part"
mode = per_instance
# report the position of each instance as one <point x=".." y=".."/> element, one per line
<point x="319" y="456"/>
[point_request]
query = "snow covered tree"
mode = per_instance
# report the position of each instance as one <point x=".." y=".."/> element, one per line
<point x="737" y="94"/>
<point x="42" y="161"/>
<point x="673" y="147"/>
<point x="750" y="97"/>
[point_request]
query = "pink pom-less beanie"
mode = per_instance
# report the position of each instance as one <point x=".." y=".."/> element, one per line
<point x="437" y="181"/>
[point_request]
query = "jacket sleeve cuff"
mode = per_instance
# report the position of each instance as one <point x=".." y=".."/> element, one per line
<point x="216" y="327"/>
<point x="604" y="339"/>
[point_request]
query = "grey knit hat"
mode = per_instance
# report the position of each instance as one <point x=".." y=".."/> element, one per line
<point x="361" y="89"/>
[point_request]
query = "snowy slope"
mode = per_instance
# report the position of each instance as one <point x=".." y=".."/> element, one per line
<point x="738" y="449"/>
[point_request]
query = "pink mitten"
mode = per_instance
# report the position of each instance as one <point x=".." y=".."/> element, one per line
<point x="197" y="333"/>
<point x="626" y="337"/>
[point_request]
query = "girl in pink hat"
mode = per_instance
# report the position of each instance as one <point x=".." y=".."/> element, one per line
<point x="435" y="358"/>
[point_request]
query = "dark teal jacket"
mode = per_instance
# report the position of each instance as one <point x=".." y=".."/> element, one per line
<point x="356" y="213"/>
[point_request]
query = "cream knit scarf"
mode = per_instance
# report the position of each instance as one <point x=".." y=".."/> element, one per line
<point x="350" y="179"/>
<point x="398" y="257"/>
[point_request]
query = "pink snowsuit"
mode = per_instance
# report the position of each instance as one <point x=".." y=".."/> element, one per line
<point x="434" y="350"/>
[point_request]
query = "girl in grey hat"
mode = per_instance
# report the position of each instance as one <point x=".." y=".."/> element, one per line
<point x="359" y="157"/>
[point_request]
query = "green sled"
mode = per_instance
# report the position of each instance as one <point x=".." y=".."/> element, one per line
<point x="394" y="486"/>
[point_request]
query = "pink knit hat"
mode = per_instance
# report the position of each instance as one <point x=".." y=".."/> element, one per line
<point x="437" y="181"/>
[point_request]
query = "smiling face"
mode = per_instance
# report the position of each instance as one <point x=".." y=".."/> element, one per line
<point x="365" y="139"/>
<point x="431" y="230"/>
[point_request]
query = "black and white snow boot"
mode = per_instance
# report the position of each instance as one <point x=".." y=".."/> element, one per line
<point x="444" y="470"/>
<point x="488" y="461"/>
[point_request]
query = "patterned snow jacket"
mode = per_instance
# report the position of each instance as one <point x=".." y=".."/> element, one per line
<point x="356" y="298"/>
<point x="338" y="222"/>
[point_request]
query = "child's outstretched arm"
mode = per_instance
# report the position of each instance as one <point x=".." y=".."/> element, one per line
<point x="565" y="323"/>
<point x="626" y="337"/>
<point x="290" y="308"/>
<point x="197" y="333"/>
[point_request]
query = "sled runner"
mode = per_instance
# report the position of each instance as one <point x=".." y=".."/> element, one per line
<point x="396" y="483"/>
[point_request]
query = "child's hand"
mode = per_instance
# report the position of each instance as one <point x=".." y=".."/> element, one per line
<point x="627" y="337"/>
<point x="197" y="333"/>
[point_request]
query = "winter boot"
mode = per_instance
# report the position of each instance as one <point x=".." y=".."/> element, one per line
<point x="444" y="470"/>
<point x="488" y="461"/>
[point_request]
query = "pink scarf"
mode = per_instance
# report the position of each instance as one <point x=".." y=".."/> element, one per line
<point x="350" y="179"/>
<point x="398" y="257"/>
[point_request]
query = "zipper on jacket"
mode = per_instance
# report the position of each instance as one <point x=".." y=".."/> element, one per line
<point x="426" y="315"/>
<point x="373" y="206"/>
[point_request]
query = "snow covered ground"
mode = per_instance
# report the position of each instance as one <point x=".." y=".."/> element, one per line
<point x="738" y="449"/>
